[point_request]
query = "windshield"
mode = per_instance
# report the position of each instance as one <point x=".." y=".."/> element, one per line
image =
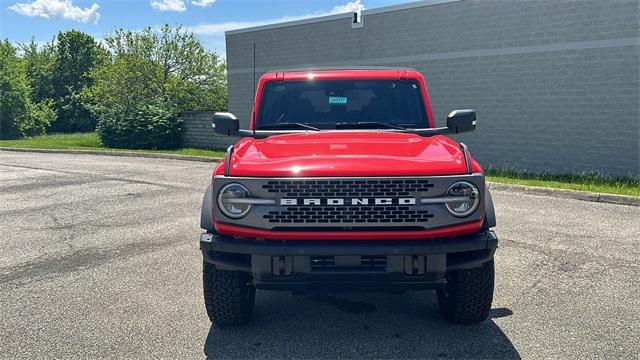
<point x="342" y="104"/>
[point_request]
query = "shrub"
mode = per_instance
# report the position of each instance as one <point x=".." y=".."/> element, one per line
<point x="41" y="116"/>
<point x="147" y="126"/>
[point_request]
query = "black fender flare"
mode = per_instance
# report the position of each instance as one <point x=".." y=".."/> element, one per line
<point x="489" y="211"/>
<point x="206" y="214"/>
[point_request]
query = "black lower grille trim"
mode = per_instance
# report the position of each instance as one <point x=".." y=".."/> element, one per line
<point x="366" y="262"/>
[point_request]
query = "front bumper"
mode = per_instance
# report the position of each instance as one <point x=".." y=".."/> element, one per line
<point x="362" y="265"/>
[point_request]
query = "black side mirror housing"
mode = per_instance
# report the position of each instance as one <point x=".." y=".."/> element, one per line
<point x="225" y="123"/>
<point x="461" y="121"/>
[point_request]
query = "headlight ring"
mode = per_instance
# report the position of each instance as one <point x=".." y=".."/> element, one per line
<point x="231" y="200"/>
<point x="465" y="199"/>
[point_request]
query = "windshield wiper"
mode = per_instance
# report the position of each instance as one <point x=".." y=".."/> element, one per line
<point x="368" y="125"/>
<point x="288" y="126"/>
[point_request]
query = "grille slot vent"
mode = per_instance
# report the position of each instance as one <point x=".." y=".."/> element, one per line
<point x="347" y="214"/>
<point x="374" y="262"/>
<point x="348" y="188"/>
<point x="366" y="262"/>
<point x="319" y="262"/>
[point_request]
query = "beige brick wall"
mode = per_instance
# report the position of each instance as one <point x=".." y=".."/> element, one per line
<point x="555" y="83"/>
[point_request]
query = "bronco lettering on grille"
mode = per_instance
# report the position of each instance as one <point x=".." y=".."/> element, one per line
<point x="348" y="201"/>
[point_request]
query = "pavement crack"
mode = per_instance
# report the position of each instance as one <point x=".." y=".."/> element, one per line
<point x="569" y="260"/>
<point x="46" y="267"/>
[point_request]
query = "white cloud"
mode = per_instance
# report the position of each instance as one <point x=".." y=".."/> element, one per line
<point x="355" y="6"/>
<point x="220" y="28"/>
<point x="203" y="3"/>
<point x="168" y="5"/>
<point x="58" y="9"/>
<point x="215" y="31"/>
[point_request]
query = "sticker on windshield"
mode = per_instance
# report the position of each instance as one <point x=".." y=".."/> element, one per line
<point x="279" y="88"/>
<point x="337" y="100"/>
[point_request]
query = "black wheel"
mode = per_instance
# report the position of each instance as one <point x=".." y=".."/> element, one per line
<point x="229" y="296"/>
<point x="466" y="297"/>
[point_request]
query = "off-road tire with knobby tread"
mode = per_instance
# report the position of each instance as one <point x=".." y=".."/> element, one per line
<point x="229" y="296"/>
<point x="466" y="297"/>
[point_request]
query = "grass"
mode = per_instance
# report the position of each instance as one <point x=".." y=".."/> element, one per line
<point x="91" y="141"/>
<point x="585" y="182"/>
<point x="80" y="141"/>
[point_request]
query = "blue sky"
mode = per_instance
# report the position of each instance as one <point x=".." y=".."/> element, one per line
<point x="20" y="20"/>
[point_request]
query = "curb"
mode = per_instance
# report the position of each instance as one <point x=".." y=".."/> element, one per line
<point x="533" y="190"/>
<point x="119" y="153"/>
<point x="568" y="194"/>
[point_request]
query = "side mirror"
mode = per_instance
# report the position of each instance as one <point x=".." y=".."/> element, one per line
<point x="460" y="121"/>
<point x="225" y="123"/>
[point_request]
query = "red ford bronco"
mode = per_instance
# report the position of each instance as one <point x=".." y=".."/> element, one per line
<point x="343" y="183"/>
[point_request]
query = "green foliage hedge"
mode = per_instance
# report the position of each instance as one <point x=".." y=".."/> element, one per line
<point x="145" y="126"/>
<point x="19" y="115"/>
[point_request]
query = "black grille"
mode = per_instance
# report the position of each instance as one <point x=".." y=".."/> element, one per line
<point x="348" y="227"/>
<point x="322" y="262"/>
<point x="368" y="262"/>
<point x="376" y="262"/>
<point x="348" y="188"/>
<point x="347" y="214"/>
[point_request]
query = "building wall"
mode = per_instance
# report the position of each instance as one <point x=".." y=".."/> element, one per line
<point x="197" y="131"/>
<point x="555" y="83"/>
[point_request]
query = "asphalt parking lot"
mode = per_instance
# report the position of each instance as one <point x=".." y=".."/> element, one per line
<point x="99" y="259"/>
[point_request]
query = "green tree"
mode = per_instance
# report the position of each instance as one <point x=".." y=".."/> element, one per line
<point x="148" y="79"/>
<point x="168" y="65"/>
<point x="19" y="116"/>
<point x="76" y="53"/>
<point x="40" y="68"/>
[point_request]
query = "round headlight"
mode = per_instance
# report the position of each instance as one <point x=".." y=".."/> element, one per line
<point x="464" y="198"/>
<point x="231" y="200"/>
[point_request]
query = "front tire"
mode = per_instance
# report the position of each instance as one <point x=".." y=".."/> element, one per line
<point x="466" y="297"/>
<point x="229" y="296"/>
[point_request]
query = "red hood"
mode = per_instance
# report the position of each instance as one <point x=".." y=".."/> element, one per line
<point x="348" y="154"/>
